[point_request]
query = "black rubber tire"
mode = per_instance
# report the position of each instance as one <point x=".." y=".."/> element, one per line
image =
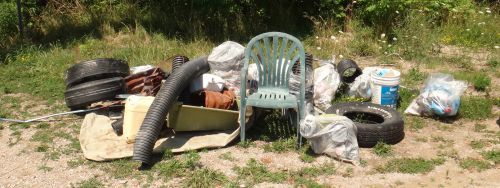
<point x="96" y="69"/>
<point x="387" y="124"/>
<point x="155" y="117"/>
<point x="345" y="64"/>
<point x="82" y="95"/>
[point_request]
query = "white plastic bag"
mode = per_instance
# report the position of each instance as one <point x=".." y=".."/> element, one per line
<point x="142" y="68"/>
<point x="326" y="83"/>
<point x="361" y="85"/>
<point x="439" y="96"/>
<point x="226" y="61"/>
<point x="333" y="135"/>
<point x="209" y="82"/>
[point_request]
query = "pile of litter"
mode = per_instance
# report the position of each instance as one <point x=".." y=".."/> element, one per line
<point x="133" y="112"/>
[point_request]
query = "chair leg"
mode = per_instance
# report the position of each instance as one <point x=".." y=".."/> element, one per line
<point x="297" y="124"/>
<point x="243" y="110"/>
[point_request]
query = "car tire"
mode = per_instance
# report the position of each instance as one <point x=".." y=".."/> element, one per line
<point x="375" y="123"/>
<point x="96" y="69"/>
<point x="82" y="95"/>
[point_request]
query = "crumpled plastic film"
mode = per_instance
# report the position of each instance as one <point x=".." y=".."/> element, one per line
<point x="333" y="135"/>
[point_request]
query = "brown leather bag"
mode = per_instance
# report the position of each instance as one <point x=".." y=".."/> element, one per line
<point x="225" y="100"/>
<point x="146" y="83"/>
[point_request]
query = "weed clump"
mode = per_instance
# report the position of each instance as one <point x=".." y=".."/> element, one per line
<point x="382" y="149"/>
<point x="205" y="178"/>
<point x="475" y="108"/>
<point x="477" y="164"/>
<point x="492" y="155"/>
<point x="410" y="165"/>
<point x="481" y="82"/>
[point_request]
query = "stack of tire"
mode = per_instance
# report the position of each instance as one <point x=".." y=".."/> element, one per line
<point x="95" y="80"/>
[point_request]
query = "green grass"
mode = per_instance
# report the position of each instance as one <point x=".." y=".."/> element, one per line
<point x="478" y="144"/>
<point x="307" y="155"/>
<point x="255" y="172"/>
<point x="474" y="164"/>
<point x="177" y="168"/>
<point x="382" y="149"/>
<point x="493" y="63"/>
<point x="89" y="183"/>
<point x="415" y="123"/>
<point x="406" y="96"/>
<point x="471" y="30"/>
<point x="226" y="156"/>
<point x="475" y="108"/>
<point x="414" y="76"/>
<point x="48" y="65"/>
<point x="478" y="127"/>
<point x="410" y="165"/>
<point x="492" y="155"/>
<point x="45" y="168"/>
<point x="481" y="82"/>
<point x="281" y="145"/>
<point x="205" y="178"/>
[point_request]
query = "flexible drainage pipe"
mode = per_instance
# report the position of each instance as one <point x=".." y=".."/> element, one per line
<point x="155" y="117"/>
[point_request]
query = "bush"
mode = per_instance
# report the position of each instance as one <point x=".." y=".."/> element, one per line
<point x="8" y="19"/>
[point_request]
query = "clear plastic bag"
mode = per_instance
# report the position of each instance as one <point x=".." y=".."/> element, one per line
<point x="333" y="135"/>
<point x="294" y="84"/>
<point x="361" y="85"/>
<point x="226" y="61"/>
<point x="326" y="83"/>
<point x="439" y="96"/>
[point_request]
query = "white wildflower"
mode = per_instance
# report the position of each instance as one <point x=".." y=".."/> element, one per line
<point x="482" y="33"/>
<point x="385" y="53"/>
<point x="496" y="47"/>
<point x="488" y="11"/>
<point x="481" y="12"/>
<point x="318" y="48"/>
<point x="397" y="12"/>
<point x="394" y="38"/>
<point x="415" y="37"/>
<point x="382" y="35"/>
<point x="341" y="56"/>
<point x="333" y="37"/>
<point x="341" y="32"/>
<point x="389" y="45"/>
<point x="354" y="2"/>
<point x="383" y="41"/>
<point x="317" y="37"/>
<point x="467" y="29"/>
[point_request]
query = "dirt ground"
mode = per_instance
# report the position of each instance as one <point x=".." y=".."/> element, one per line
<point x="23" y="166"/>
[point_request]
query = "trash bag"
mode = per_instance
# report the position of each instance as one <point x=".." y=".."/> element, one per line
<point x="208" y="82"/>
<point x="226" y="61"/>
<point x="326" y="82"/>
<point x="439" y="96"/>
<point x="333" y="135"/>
<point x="294" y="84"/>
<point x="252" y="79"/>
<point x="361" y="85"/>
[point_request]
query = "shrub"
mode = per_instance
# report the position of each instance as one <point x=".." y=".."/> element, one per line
<point x="8" y="19"/>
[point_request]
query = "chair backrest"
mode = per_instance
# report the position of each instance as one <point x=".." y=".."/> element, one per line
<point x="275" y="54"/>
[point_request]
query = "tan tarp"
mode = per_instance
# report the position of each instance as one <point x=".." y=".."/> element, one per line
<point x="100" y="143"/>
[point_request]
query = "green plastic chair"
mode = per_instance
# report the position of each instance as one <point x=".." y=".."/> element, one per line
<point x="275" y="54"/>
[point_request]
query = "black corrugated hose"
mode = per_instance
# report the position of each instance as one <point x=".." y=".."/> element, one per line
<point x="155" y="117"/>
